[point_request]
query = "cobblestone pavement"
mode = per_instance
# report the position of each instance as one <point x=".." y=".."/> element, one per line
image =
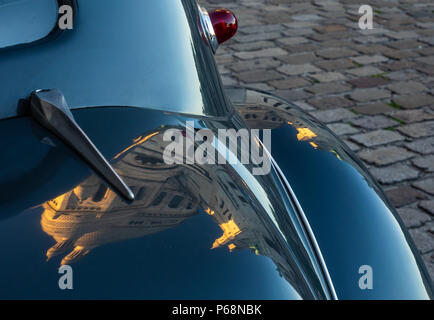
<point x="373" y="88"/>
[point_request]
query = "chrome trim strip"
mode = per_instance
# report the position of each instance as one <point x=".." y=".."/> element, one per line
<point x="208" y="29"/>
<point x="308" y="230"/>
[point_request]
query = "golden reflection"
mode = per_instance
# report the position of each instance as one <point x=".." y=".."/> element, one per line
<point x="305" y="134"/>
<point x="272" y="114"/>
<point x="91" y="214"/>
<point x="137" y="141"/>
<point x="230" y="231"/>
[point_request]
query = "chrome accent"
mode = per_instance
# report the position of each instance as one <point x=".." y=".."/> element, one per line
<point x="308" y="229"/>
<point x="208" y="29"/>
<point x="50" y="110"/>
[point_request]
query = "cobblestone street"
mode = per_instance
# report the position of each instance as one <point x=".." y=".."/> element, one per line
<point x="374" y="88"/>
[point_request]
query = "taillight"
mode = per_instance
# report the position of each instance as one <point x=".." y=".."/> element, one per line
<point x="225" y="24"/>
<point x="217" y="26"/>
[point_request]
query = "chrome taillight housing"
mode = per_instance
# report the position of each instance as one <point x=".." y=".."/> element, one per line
<point x="217" y="26"/>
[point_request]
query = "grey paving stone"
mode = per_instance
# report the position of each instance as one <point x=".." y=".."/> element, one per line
<point x="277" y="17"/>
<point x="354" y="147"/>
<point x="385" y="155"/>
<point x="404" y="44"/>
<point x="394" y="173"/>
<point x="398" y="65"/>
<point x="426" y="185"/>
<point x="257" y="64"/>
<point x="424" y="163"/>
<point x="371" y="48"/>
<point x="414" y="100"/>
<point x="404" y="195"/>
<point x="335" y="65"/>
<point x="331" y="28"/>
<point x="366" y="40"/>
<point x="365" y="95"/>
<point x="429" y="262"/>
<point x="378" y="137"/>
<point x="300" y="24"/>
<point x="423" y="238"/>
<point x="428" y="206"/>
<point x="335" y="53"/>
<point x="250" y="46"/>
<point x="270" y="52"/>
<point x="365" y="71"/>
<point x="331" y="102"/>
<point x="334" y="115"/>
<point x="429" y="70"/>
<point x="298" y="69"/>
<point x="403" y="75"/>
<point x="374" y="122"/>
<point x="228" y="81"/>
<point x="289" y="41"/>
<point x="368" y="82"/>
<point x="224" y="59"/>
<point x="413" y="218"/>
<point x="418" y="130"/>
<point x="425" y="25"/>
<point x="328" y="76"/>
<point x="426" y="51"/>
<point x="373" y="108"/>
<point x="303" y="105"/>
<point x="325" y="88"/>
<point x="403" y="35"/>
<point x="307" y="17"/>
<point x="258" y="37"/>
<point x="423" y="146"/>
<point x="369" y="59"/>
<point x="297" y="32"/>
<point x="427" y="40"/>
<point x="400" y="54"/>
<point x="342" y="129"/>
<point x="302" y="48"/>
<point x="409" y="116"/>
<point x="406" y="87"/>
<point x="290" y="83"/>
<point x="427" y="60"/>
<point x="330" y="37"/>
<point x="300" y="58"/>
<point x="293" y="95"/>
<point x="258" y="76"/>
<point x="262" y="28"/>
<point x="261" y="86"/>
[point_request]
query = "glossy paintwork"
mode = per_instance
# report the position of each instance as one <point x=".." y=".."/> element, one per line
<point x="26" y="21"/>
<point x="269" y="238"/>
<point x="133" y="53"/>
<point x="350" y="217"/>
<point x="166" y="251"/>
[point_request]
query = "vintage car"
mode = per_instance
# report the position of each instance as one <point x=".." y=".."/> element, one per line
<point x="85" y="186"/>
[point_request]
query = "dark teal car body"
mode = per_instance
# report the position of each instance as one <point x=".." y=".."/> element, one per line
<point x="129" y="70"/>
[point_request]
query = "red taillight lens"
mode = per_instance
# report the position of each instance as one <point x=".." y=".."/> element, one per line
<point x="225" y="24"/>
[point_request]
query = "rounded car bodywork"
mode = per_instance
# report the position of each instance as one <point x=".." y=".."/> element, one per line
<point x="194" y="231"/>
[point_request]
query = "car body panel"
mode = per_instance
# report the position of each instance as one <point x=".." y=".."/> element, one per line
<point x="121" y="55"/>
<point x="170" y="252"/>
<point x="350" y="217"/>
<point x="194" y="231"/>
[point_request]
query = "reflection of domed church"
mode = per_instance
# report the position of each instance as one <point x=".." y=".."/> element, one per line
<point x="91" y="215"/>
